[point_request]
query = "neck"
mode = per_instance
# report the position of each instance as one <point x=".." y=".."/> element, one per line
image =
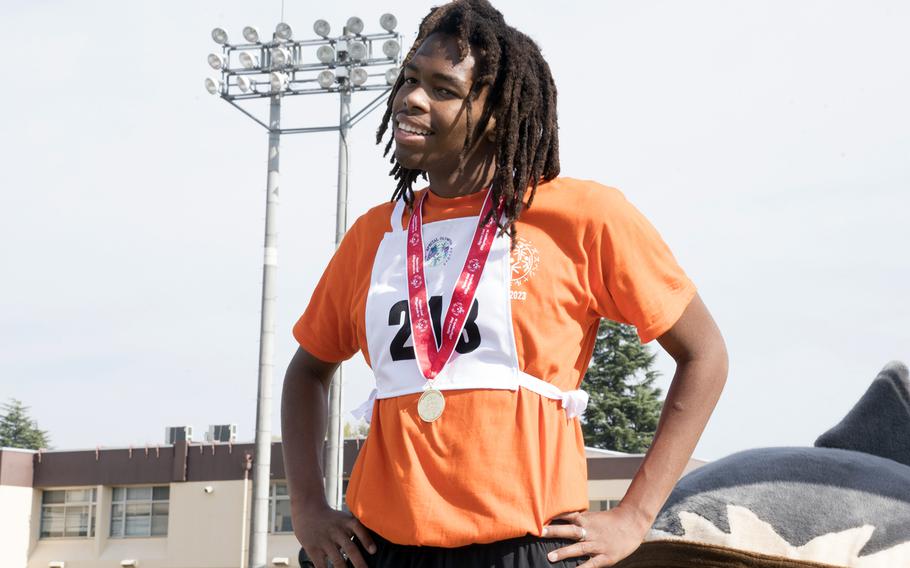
<point x="476" y="176"/>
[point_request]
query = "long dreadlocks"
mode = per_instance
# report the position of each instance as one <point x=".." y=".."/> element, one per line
<point x="521" y="98"/>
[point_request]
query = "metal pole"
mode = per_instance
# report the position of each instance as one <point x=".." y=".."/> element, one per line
<point x="259" y="530"/>
<point x="335" y="459"/>
<point x="247" y="465"/>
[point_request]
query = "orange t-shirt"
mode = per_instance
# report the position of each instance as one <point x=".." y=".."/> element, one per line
<point x="499" y="464"/>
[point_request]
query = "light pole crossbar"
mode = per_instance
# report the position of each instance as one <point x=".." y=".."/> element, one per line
<point x="319" y="91"/>
<point x="311" y="129"/>
<point x="309" y="42"/>
<point x="357" y="117"/>
<point x="372" y="62"/>
<point x="369" y="108"/>
<point x="246" y="112"/>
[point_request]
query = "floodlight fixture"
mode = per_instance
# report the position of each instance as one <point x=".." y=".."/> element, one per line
<point x="354" y="25"/>
<point x="220" y="36"/>
<point x="357" y="50"/>
<point x="283" y="31"/>
<point x="216" y="61"/>
<point x="280" y="57"/>
<point x="325" y="54"/>
<point x="278" y="81"/>
<point x="244" y="83"/>
<point x="391" y="48"/>
<point x="212" y="86"/>
<point x="359" y="76"/>
<point x="251" y="34"/>
<point x="247" y="60"/>
<point x="322" y="28"/>
<point x="388" y="22"/>
<point x="391" y="75"/>
<point x="326" y="79"/>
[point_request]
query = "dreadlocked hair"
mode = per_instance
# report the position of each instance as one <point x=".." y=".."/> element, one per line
<point x="521" y="98"/>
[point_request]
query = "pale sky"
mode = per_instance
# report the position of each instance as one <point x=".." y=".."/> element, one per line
<point x="769" y="143"/>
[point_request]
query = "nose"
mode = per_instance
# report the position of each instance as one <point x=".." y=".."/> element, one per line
<point x="414" y="99"/>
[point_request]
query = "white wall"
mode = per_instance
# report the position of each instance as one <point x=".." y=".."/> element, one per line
<point x="204" y="531"/>
<point x="15" y="520"/>
<point x="607" y="489"/>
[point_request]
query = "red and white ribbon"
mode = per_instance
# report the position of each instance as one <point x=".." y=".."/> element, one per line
<point x="431" y="359"/>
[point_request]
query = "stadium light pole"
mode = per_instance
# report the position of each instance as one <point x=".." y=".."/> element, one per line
<point x="255" y="69"/>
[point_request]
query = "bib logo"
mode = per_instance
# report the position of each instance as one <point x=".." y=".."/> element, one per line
<point x="524" y="260"/>
<point x="438" y="251"/>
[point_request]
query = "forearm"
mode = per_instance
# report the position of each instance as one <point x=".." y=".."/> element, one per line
<point x="304" y="411"/>
<point x="325" y="534"/>
<point x="694" y="392"/>
<point x="609" y="536"/>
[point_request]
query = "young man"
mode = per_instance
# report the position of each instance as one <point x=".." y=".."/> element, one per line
<point x="476" y="302"/>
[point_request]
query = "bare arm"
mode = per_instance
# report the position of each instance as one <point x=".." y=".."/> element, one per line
<point x="695" y="343"/>
<point x="697" y="347"/>
<point x="321" y="530"/>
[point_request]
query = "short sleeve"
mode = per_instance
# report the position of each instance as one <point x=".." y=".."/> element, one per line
<point x="634" y="277"/>
<point x="328" y="327"/>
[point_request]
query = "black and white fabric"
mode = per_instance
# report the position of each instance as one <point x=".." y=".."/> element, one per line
<point x="844" y="502"/>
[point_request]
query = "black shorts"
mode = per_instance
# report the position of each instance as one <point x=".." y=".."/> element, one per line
<point x="522" y="552"/>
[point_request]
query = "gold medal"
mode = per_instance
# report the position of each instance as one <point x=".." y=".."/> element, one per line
<point x="431" y="405"/>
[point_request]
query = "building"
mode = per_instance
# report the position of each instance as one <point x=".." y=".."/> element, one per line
<point x="184" y="505"/>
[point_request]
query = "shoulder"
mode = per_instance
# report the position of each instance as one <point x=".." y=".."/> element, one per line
<point x="582" y="198"/>
<point x="589" y="191"/>
<point x="375" y="221"/>
<point x="364" y="235"/>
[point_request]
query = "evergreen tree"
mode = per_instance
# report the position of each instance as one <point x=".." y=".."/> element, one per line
<point x="624" y="405"/>
<point x="17" y="430"/>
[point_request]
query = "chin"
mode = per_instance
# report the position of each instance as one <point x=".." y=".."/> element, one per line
<point x="408" y="160"/>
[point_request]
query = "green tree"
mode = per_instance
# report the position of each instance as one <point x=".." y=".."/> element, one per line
<point x="17" y="430"/>
<point x="356" y="430"/>
<point x="624" y="405"/>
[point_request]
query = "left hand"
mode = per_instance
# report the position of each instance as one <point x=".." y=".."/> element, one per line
<point x="609" y="536"/>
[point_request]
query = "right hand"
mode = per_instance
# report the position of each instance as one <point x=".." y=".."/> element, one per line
<point x="325" y="533"/>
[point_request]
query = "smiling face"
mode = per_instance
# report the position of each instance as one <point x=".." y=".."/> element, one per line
<point x="430" y="113"/>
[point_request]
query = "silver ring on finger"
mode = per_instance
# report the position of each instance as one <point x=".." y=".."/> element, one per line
<point x="584" y="533"/>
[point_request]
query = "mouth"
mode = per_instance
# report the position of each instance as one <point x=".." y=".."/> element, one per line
<point x="410" y="131"/>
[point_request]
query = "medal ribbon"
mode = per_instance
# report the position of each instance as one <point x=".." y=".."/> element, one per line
<point x="431" y="360"/>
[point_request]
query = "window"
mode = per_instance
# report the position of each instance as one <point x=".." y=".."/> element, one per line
<point x="139" y="511"/>
<point x="68" y="513"/>
<point x="280" y="509"/>
<point x="602" y="505"/>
